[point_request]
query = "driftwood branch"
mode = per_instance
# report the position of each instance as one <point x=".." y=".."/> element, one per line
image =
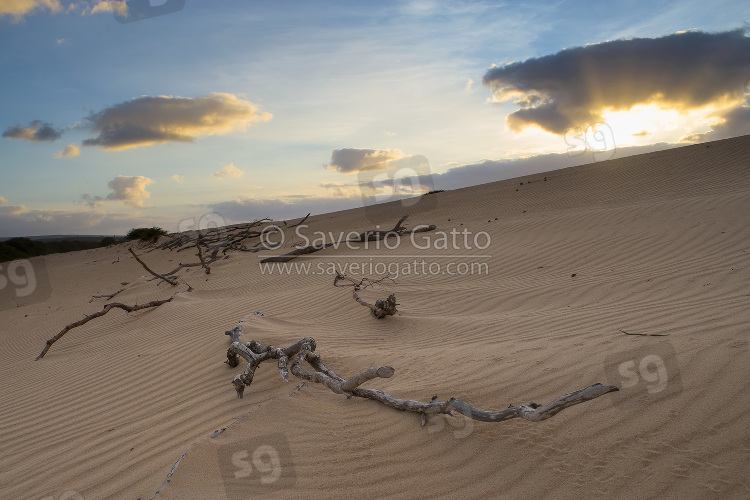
<point x="304" y="351"/>
<point x="372" y="235"/>
<point x="200" y="256"/>
<point x="168" y="280"/>
<point x="381" y="308"/>
<point x="105" y="310"/>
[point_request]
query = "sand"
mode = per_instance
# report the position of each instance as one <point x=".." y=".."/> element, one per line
<point x="658" y="244"/>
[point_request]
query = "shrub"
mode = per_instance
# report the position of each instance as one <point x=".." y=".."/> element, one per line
<point x="145" y="233"/>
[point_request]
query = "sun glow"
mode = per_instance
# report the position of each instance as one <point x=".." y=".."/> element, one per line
<point x="649" y="123"/>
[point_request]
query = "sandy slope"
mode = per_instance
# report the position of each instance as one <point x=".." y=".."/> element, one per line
<point x="659" y="244"/>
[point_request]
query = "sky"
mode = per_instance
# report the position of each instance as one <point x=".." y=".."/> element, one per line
<point x="177" y="113"/>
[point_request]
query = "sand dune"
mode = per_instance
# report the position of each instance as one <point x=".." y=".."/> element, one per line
<point x="658" y="244"/>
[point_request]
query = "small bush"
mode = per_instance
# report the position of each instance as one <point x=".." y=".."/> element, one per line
<point x="145" y="233"/>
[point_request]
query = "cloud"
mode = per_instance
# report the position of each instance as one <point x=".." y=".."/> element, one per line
<point x="17" y="9"/>
<point x="3" y="200"/>
<point x="92" y="201"/>
<point x="37" y="131"/>
<point x="179" y="179"/>
<point x="573" y="87"/>
<point x="12" y="209"/>
<point x="144" y="121"/>
<point x="349" y="160"/>
<point x="733" y="123"/>
<point x="131" y="190"/>
<point x="44" y="222"/>
<point x="106" y="6"/>
<point x="229" y="171"/>
<point x="248" y="208"/>
<point x="69" y="150"/>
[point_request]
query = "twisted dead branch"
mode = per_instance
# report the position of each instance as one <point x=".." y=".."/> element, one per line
<point x="381" y="308"/>
<point x="105" y="310"/>
<point x="304" y="350"/>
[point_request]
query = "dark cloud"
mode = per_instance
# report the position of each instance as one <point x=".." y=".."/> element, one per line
<point x="349" y="160"/>
<point x="149" y="120"/>
<point x="573" y="87"/>
<point x="37" y="131"/>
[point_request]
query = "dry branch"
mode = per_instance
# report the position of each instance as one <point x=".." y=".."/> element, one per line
<point x="303" y="350"/>
<point x="381" y="308"/>
<point x="300" y="222"/>
<point x="646" y="334"/>
<point x="168" y="280"/>
<point x="108" y="297"/>
<point x="200" y="256"/>
<point x="105" y="310"/>
<point x="372" y="235"/>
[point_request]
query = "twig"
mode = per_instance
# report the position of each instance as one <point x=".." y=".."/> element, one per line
<point x="107" y="308"/>
<point x="646" y="334"/>
<point x="108" y="297"/>
<point x="300" y="222"/>
<point x="171" y="282"/>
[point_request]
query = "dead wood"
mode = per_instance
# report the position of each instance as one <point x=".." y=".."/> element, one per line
<point x="372" y="235"/>
<point x="168" y="280"/>
<point x="303" y="350"/>
<point x="200" y="256"/>
<point x="398" y="230"/>
<point x="105" y="310"/>
<point x="296" y="253"/>
<point x="646" y="334"/>
<point x="381" y="308"/>
<point x="300" y="222"/>
<point x="108" y="297"/>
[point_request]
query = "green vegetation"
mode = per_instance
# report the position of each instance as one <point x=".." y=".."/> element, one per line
<point x="24" y="248"/>
<point x="145" y="233"/>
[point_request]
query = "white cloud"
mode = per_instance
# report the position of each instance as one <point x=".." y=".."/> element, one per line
<point x="69" y="150"/>
<point x="179" y="179"/>
<point x="229" y="171"/>
<point x="131" y="190"/>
